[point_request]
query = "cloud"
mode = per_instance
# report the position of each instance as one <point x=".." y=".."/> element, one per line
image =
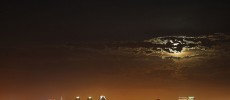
<point x="148" y="62"/>
<point x="169" y="57"/>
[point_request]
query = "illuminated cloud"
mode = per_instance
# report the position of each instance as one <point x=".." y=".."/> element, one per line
<point x="155" y="63"/>
<point x="177" y="47"/>
<point x="180" y="55"/>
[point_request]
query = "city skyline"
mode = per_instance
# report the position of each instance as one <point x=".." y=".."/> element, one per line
<point x="102" y="97"/>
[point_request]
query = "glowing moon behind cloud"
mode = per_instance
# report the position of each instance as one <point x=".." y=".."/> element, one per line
<point x="176" y="47"/>
<point x="159" y="62"/>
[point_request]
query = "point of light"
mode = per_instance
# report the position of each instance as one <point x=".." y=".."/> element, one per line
<point x="102" y="96"/>
<point x="175" y="44"/>
<point x="191" y="97"/>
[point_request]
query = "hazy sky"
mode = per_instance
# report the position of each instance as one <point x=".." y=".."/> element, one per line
<point x="70" y="49"/>
<point x="119" y="70"/>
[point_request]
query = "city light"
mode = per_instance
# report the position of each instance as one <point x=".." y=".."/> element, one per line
<point x="89" y="98"/>
<point x="77" y="98"/>
<point x="102" y="98"/>
<point x="187" y="98"/>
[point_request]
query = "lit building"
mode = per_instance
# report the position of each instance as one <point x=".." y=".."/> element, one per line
<point x="102" y="98"/>
<point x="191" y="98"/>
<point x="183" y="98"/>
<point x="77" y="98"/>
<point x="187" y="98"/>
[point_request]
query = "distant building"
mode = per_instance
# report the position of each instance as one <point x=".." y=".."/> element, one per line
<point x="183" y="98"/>
<point x="102" y="98"/>
<point x="187" y="98"/>
<point x="191" y="98"/>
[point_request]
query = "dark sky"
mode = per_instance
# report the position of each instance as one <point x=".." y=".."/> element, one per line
<point x="79" y="48"/>
<point x="99" y="20"/>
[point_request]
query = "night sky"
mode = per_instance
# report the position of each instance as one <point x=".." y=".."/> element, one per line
<point x="128" y="50"/>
